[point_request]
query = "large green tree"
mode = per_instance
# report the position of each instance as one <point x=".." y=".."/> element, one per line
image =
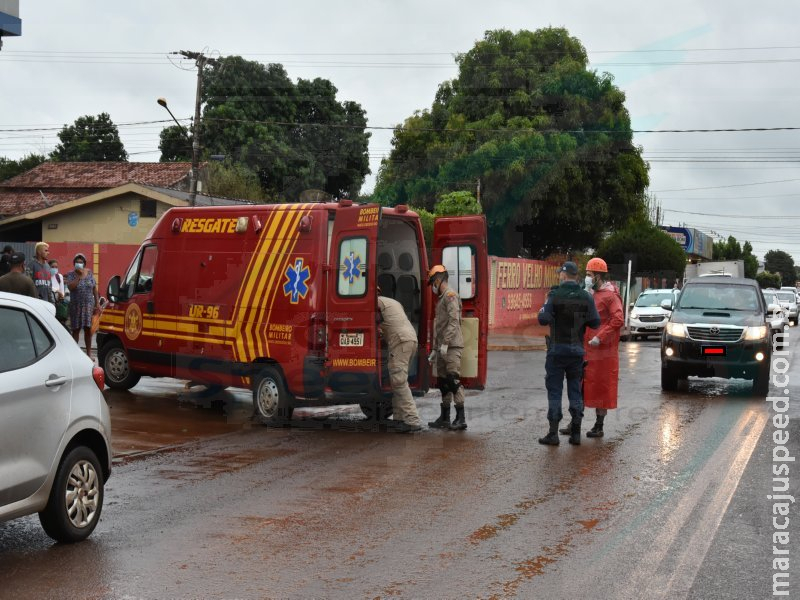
<point x="778" y="261"/>
<point x="295" y="136"/>
<point x="90" y="138"/>
<point x="549" y="140"/>
<point x="11" y="168"/>
<point x="650" y="249"/>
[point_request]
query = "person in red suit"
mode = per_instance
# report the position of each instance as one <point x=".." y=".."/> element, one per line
<point x="601" y="374"/>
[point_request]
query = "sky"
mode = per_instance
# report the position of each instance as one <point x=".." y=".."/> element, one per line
<point x="683" y="65"/>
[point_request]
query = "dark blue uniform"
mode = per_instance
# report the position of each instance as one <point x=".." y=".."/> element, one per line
<point x="569" y="310"/>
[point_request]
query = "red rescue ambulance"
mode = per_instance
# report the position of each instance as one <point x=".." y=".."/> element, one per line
<point x="282" y="299"/>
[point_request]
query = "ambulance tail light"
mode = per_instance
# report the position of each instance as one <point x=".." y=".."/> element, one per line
<point x="317" y="334"/>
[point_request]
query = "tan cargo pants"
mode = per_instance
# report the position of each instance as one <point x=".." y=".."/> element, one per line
<point x="450" y="363"/>
<point x="403" y="405"/>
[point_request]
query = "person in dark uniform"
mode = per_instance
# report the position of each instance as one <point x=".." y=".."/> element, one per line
<point x="569" y="310"/>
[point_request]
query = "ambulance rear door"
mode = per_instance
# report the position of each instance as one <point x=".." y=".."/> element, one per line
<point x="352" y="301"/>
<point x="459" y="243"/>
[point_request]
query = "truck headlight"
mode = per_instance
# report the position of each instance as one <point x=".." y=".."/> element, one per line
<point x="758" y="332"/>
<point x="676" y="330"/>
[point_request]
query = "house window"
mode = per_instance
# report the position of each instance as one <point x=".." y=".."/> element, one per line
<point x="147" y="208"/>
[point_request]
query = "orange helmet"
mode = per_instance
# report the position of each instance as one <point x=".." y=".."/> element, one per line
<point x="436" y="270"/>
<point x="597" y="265"/>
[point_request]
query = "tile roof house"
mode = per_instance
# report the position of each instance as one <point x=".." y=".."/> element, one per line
<point x="53" y="183"/>
<point x="114" y="202"/>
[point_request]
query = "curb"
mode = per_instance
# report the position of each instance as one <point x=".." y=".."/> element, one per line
<point x="516" y="347"/>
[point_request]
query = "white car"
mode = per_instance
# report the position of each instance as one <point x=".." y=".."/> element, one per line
<point x="647" y="316"/>
<point x="777" y="317"/>
<point x="788" y="300"/>
<point x="55" y="448"/>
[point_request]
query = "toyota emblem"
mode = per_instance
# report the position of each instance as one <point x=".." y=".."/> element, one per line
<point x="714" y="330"/>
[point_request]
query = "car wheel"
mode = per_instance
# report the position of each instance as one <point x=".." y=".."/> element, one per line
<point x="76" y="499"/>
<point x="669" y="380"/>
<point x="114" y="361"/>
<point x="761" y="383"/>
<point x="271" y="401"/>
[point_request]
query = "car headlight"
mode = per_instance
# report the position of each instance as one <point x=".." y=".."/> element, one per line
<point x="676" y="329"/>
<point x="758" y="332"/>
<point x="634" y="315"/>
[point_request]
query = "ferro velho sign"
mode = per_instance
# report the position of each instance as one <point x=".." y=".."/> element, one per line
<point x="518" y="290"/>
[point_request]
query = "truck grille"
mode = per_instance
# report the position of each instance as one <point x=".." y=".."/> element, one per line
<point x="652" y="318"/>
<point x="715" y="334"/>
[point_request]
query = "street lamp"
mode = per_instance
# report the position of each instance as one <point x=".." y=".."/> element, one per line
<point x="195" y="151"/>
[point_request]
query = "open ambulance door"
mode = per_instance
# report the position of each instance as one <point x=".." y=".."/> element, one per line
<point x="352" y="303"/>
<point x="459" y="243"/>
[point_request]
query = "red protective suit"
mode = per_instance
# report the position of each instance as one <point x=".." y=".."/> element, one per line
<point x="602" y="371"/>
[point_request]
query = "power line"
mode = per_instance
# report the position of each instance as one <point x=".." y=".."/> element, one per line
<point x="733" y="185"/>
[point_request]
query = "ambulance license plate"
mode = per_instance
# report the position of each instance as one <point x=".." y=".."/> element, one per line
<point x="351" y="339"/>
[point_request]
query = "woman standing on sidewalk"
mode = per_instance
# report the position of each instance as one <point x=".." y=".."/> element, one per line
<point x="84" y="300"/>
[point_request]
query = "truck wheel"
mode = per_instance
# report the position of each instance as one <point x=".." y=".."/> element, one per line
<point x="271" y="402"/>
<point x="377" y="410"/>
<point x="115" y="363"/>
<point x="669" y="380"/>
<point x="76" y="498"/>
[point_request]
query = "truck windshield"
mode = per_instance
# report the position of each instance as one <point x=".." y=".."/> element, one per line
<point x="719" y="297"/>
<point x="653" y="299"/>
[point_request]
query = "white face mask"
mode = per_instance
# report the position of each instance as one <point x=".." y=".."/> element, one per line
<point x="435" y="289"/>
<point x="588" y="282"/>
<point x="79" y="265"/>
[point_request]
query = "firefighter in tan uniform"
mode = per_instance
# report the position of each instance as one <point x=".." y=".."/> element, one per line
<point x="401" y="339"/>
<point x="448" y="344"/>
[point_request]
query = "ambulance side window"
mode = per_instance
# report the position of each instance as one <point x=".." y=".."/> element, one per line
<point x="460" y="264"/>
<point x="139" y="279"/>
<point x="352" y="280"/>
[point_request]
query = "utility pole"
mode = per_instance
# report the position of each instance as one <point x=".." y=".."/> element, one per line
<point x="200" y="60"/>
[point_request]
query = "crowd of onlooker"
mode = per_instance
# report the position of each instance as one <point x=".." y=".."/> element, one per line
<point x="74" y="294"/>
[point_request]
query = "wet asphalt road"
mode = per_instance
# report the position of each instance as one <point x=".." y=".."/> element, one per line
<point x="670" y="504"/>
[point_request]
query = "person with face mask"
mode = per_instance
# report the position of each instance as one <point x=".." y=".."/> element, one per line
<point x="59" y="289"/>
<point x="84" y="300"/>
<point x="40" y="272"/>
<point x="601" y="376"/>
<point x="448" y="344"/>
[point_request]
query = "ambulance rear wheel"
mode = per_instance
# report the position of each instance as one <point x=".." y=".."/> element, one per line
<point x="114" y="360"/>
<point x="271" y="401"/>
<point x="377" y="410"/>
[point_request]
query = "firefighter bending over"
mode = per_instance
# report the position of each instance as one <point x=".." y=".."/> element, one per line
<point x="448" y="345"/>
<point x="401" y="340"/>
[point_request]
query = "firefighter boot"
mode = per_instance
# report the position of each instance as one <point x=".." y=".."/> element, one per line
<point x="551" y="439"/>
<point x="443" y="422"/>
<point x="575" y="432"/>
<point x="597" y="430"/>
<point x="459" y="423"/>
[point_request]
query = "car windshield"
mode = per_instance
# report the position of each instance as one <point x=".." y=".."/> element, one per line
<point x="653" y="299"/>
<point x="785" y="296"/>
<point x="710" y="296"/>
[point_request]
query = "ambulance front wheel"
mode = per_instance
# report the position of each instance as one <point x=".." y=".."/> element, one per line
<point x="114" y="361"/>
<point x="271" y="401"/>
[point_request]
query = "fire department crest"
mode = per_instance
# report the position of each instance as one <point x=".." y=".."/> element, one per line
<point x="296" y="277"/>
<point x="133" y="321"/>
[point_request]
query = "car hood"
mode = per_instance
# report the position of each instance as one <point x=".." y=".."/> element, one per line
<point x="649" y="310"/>
<point x="718" y="317"/>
